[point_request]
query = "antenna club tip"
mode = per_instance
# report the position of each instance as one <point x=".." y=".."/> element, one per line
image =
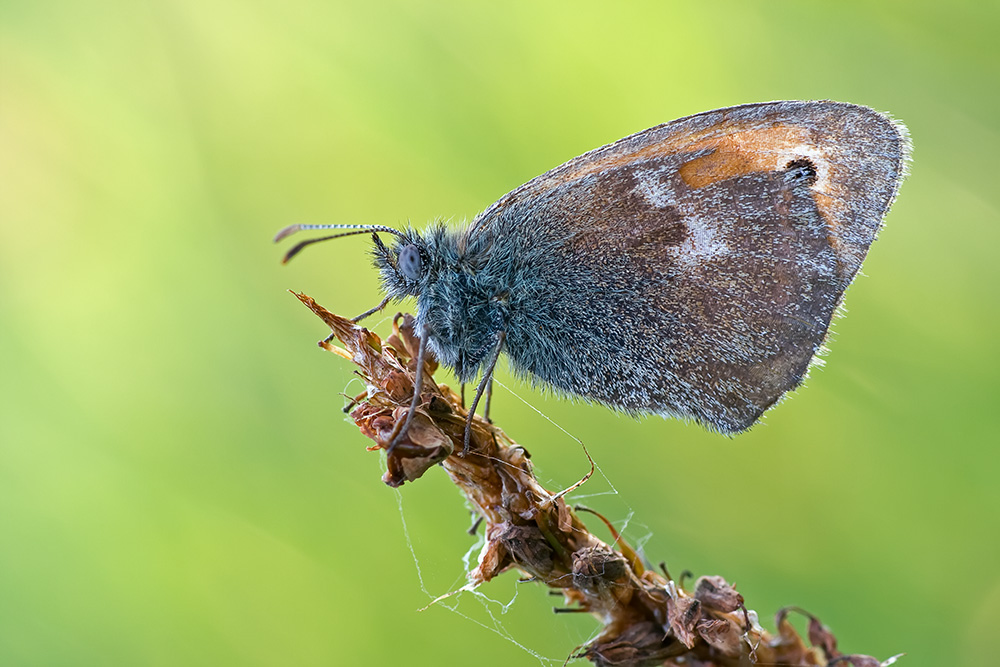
<point x="287" y="231"/>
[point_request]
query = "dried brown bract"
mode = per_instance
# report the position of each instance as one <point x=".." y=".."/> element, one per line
<point x="648" y="619"/>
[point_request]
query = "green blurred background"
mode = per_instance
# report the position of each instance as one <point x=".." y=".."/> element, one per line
<point x="178" y="485"/>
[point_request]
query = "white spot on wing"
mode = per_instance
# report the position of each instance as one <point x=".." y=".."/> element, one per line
<point x="651" y="188"/>
<point x="703" y="242"/>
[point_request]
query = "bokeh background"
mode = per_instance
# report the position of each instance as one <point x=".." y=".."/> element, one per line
<point x="178" y="485"/>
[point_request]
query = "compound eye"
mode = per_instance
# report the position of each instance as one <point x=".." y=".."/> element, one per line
<point x="409" y="262"/>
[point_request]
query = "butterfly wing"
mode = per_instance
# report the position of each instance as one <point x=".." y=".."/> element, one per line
<point x="692" y="269"/>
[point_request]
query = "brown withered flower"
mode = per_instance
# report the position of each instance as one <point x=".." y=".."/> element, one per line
<point x="648" y="619"/>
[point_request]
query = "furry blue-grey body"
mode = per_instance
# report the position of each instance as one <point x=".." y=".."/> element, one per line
<point x="473" y="289"/>
<point x="627" y="276"/>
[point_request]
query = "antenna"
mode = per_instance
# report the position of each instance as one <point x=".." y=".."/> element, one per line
<point x="357" y="229"/>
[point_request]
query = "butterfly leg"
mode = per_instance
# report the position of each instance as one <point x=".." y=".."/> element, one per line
<point x="418" y="383"/>
<point x="487" y="381"/>
<point x="374" y="310"/>
<point x="360" y="317"/>
<point x="489" y="400"/>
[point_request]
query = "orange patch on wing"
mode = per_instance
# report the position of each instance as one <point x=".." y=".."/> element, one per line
<point x="742" y="153"/>
<point x="756" y="150"/>
<point x="736" y="150"/>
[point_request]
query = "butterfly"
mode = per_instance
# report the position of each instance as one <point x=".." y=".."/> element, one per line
<point x="690" y="270"/>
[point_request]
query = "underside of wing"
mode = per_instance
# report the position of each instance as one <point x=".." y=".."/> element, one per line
<point x="693" y="269"/>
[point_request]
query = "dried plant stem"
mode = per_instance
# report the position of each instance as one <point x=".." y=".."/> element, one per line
<point x="648" y="618"/>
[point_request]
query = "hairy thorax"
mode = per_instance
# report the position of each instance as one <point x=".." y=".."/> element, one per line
<point x="463" y="308"/>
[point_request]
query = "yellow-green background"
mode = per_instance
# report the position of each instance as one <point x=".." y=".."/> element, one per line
<point x="178" y="485"/>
